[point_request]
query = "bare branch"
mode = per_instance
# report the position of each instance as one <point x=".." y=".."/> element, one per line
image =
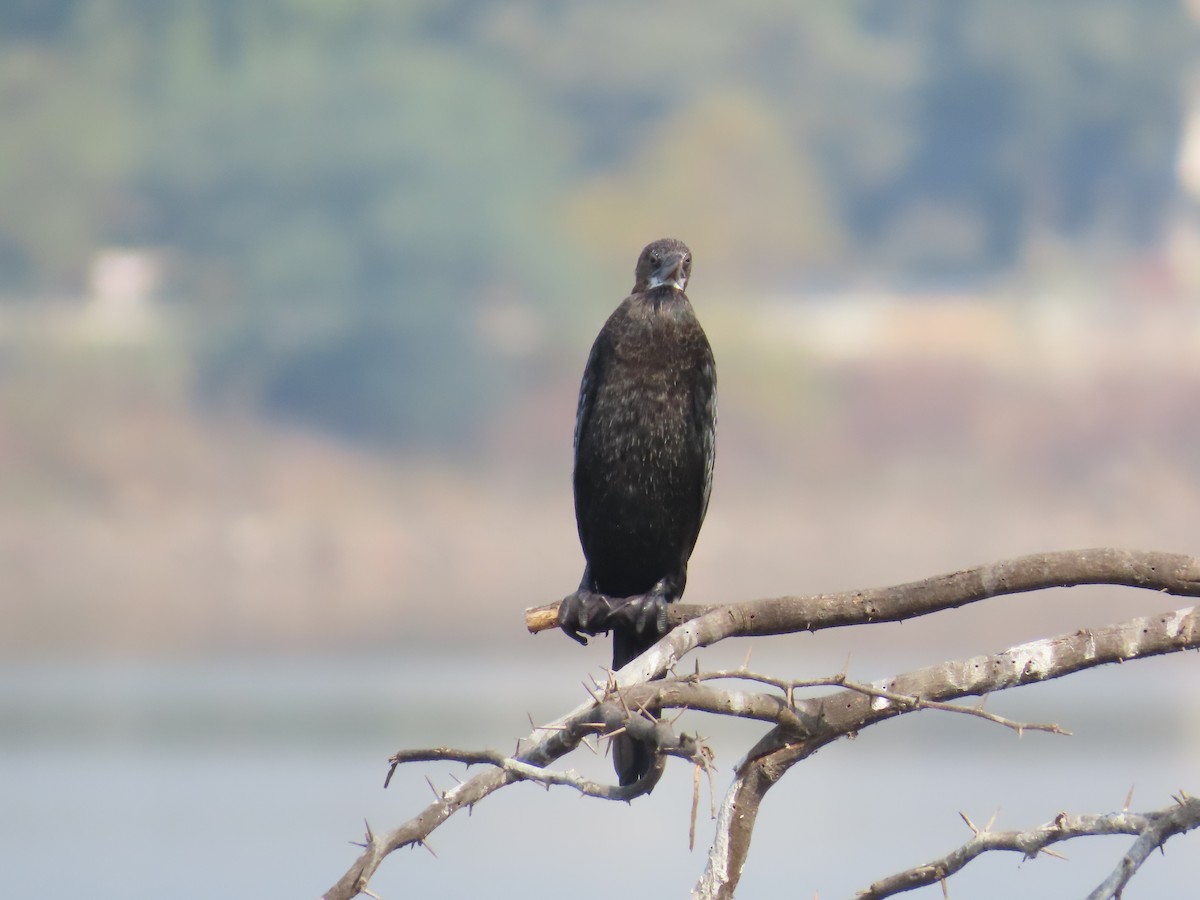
<point x="850" y="711"/>
<point x="1171" y="573"/>
<point x="522" y="770"/>
<point x="914" y="702"/>
<point x="802" y="727"/>
<point x="1152" y="829"/>
<point x="688" y="695"/>
<point x="548" y="743"/>
<point x="1163" y="824"/>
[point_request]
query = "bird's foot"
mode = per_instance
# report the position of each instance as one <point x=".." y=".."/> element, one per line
<point x="586" y="612"/>
<point x="645" y="614"/>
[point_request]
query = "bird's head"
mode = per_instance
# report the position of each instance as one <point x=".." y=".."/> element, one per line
<point x="665" y="262"/>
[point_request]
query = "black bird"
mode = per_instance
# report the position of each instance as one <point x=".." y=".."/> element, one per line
<point x="645" y="433"/>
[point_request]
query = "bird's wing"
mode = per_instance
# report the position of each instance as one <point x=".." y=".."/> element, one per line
<point x="589" y="386"/>
<point x="706" y="413"/>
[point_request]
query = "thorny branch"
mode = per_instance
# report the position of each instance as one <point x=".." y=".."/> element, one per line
<point x="909" y="700"/>
<point x="522" y="771"/>
<point x="547" y="744"/>
<point x="1152" y="829"/>
<point x="801" y="727"/>
<point x="849" y="711"/>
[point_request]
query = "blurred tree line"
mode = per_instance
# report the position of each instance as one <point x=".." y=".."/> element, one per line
<point x="345" y="190"/>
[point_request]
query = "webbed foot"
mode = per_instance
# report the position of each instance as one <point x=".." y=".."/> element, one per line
<point x="645" y="614"/>
<point x="587" y="612"/>
<point x="584" y="612"/>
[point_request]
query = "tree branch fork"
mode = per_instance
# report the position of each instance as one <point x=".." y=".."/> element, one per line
<point x="801" y="726"/>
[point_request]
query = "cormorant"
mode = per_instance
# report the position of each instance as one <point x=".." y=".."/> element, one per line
<point x="645" y="432"/>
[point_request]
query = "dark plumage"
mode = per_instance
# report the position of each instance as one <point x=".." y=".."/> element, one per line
<point x="644" y="445"/>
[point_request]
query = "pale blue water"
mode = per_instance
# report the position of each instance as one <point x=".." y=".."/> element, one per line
<point x="248" y="779"/>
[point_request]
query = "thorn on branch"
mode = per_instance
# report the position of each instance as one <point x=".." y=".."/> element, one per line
<point x="1151" y="830"/>
<point x="970" y="824"/>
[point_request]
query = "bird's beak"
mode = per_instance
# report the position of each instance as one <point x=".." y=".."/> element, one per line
<point x="671" y="272"/>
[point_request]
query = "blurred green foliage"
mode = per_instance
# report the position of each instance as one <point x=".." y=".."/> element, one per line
<point x="344" y="189"/>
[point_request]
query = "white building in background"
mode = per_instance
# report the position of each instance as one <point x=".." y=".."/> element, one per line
<point x="1183" y="249"/>
<point x="120" y="305"/>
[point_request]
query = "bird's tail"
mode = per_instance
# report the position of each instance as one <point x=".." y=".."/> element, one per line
<point x="632" y="759"/>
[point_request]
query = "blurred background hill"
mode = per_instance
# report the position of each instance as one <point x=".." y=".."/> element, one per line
<point x="295" y="296"/>
<point x="282" y="280"/>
